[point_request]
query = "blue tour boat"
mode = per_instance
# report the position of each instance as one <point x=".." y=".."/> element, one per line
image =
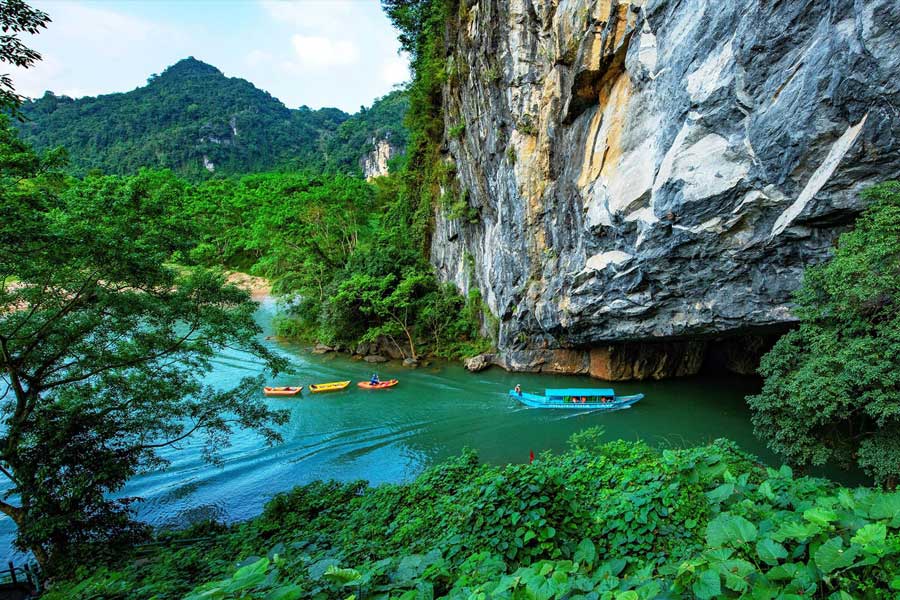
<point x="578" y="399"/>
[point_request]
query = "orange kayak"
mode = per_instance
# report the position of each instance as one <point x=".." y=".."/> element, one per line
<point x="282" y="391"/>
<point x="380" y="385"/>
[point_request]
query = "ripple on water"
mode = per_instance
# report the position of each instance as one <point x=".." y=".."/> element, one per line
<point x="392" y="435"/>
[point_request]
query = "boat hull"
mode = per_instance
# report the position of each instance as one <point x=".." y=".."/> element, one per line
<point x="334" y="386"/>
<point x="536" y="401"/>
<point x="378" y="386"/>
<point x="282" y="392"/>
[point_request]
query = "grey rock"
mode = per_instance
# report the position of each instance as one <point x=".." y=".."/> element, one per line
<point x="322" y="349"/>
<point x="478" y="363"/>
<point x="410" y="363"/>
<point x="657" y="170"/>
<point x="375" y="163"/>
<point x="375" y="358"/>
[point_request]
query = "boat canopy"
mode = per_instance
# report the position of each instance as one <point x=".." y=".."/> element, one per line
<point x="589" y="392"/>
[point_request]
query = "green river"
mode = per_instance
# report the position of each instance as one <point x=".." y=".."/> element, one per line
<point x="392" y="435"/>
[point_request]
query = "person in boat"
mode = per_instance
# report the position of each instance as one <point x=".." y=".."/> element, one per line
<point x="518" y="389"/>
<point x="374" y="380"/>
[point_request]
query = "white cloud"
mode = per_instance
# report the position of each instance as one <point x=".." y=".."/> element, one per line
<point x="90" y="50"/>
<point x="306" y="52"/>
<point x="256" y="58"/>
<point x="397" y="70"/>
<point x="313" y="15"/>
<point x="317" y="52"/>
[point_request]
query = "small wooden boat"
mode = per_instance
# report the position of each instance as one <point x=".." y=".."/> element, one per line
<point x="334" y="386"/>
<point x="576" y="399"/>
<point x="282" y="391"/>
<point x="378" y="386"/>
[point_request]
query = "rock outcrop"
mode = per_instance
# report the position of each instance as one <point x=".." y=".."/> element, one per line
<point x="652" y="174"/>
<point x="375" y="163"/>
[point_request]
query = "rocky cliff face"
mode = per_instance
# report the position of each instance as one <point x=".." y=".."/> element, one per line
<point x="651" y="176"/>
<point x="375" y="163"/>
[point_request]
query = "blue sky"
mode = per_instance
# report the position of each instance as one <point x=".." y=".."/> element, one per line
<point x="319" y="53"/>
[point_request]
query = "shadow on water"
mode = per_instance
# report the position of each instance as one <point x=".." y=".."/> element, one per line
<point x="392" y="435"/>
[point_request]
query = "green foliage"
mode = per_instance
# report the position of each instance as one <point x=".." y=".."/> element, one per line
<point x="192" y="112"/>
<point x="526" y="125"/>
<point x="492" y="74"/>
<point x="17" y="17"/>
<point x="511" y="155"/>
<point x="343" y="148"/>
<point x="423" y="26"/>
<point x="832" y="389"/>
<point x="457" y="130"/>
<point x="104" y="348"/>
<point x="617" y="520"/>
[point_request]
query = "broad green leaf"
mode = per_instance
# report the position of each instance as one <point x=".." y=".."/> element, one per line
<point x="765" y="490"/>
<point x="732" y="529"/>
<point x="318" y="568"/>
<point x="832" y="555"/>
<point x="770" y="551"/>
<point x="785" y="572"/>
<point x="288" y="592"/>
<point x="820" y="516"/>
<point x="707" y="585"/>
<point x="341" y="576"/>
<point x="886" y="506"/>
<point x="872" y="533"/>
<point x="721" y="493"/>
<point x="586" y="552"/>
<point x="254" y="568"/>
<point x="795" y="530"/>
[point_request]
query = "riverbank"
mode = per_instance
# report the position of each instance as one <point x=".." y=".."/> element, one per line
<point x="260" y="288"/>
<point x="619" y="520"/>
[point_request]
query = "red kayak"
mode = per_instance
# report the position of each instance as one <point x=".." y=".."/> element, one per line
<point x="377" y="386"/>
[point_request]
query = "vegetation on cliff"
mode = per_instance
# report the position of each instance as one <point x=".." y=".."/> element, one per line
<point x="832" y="386"/>
<point x="617" y="521"/>
<point x="193" y="119"/>
<point x="346" y="265"/>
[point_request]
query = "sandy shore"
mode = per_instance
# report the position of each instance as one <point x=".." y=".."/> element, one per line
<point x="258" y="287"/>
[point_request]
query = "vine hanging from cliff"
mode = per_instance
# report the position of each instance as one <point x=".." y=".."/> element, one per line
<point x="424" y="27"/>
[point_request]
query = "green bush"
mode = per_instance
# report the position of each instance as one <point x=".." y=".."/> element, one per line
<point x="618" y="520"/>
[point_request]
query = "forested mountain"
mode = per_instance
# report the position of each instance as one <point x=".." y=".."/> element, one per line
<point x="196" y="121"/>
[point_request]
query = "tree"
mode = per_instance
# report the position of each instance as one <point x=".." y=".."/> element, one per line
<point x="17" y="17"/>
<point x="832" y="386"/>
<point x="103" y="348"/>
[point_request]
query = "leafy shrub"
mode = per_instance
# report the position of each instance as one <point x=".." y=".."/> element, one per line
<point x="618" y="520"/>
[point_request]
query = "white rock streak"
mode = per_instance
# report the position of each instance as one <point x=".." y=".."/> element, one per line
<point x="820" y="177"/>
<point x="598" y="262"/>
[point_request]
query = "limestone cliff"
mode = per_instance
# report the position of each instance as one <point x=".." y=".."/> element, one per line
<point x="650" y="176"/>
<point x="375" y="163"/>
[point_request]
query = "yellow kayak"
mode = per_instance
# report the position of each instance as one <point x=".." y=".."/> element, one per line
<point x="334" y="386"/>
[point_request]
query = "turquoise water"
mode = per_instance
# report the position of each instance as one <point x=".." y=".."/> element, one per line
<point x="392" y="435"/>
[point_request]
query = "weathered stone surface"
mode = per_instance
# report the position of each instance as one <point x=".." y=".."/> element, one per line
<point x="375" y="163"/>
<point x="621" y="362"/>
<point x="375" y="358"/>
<point x="410" y="363"/>
<point x="322" y="349"/>
<point x="559" y="360"/>
<point x="658" y="170"/>
<point x="479" y="362"/>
